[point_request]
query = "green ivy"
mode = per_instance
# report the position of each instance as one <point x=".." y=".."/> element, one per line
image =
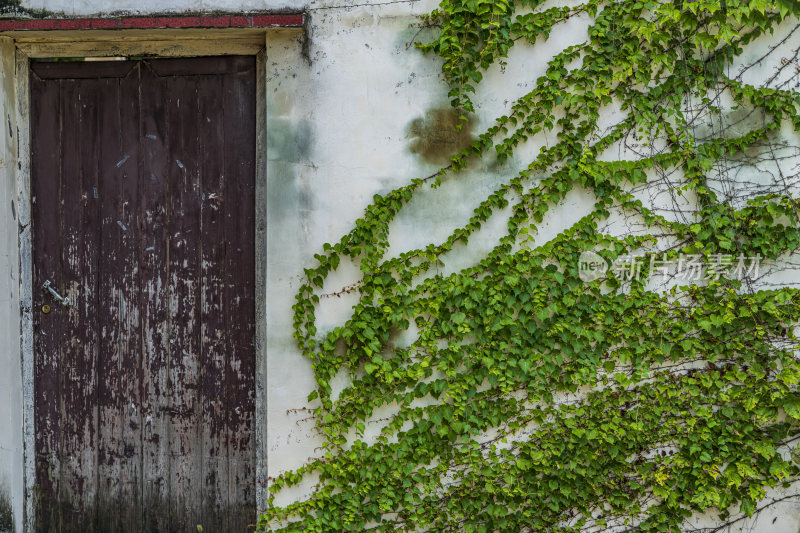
<point x="531" y="400"/>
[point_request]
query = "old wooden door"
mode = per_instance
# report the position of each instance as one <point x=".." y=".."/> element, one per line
<point x="143" y="179"/>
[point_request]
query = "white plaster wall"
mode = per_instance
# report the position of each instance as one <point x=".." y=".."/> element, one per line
<point x="339" y="107"/>
<point x="341" y="95"/>
<point x="338" y="114"/>
<point x="11" y="458"/>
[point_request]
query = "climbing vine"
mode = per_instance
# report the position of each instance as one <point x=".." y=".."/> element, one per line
<point x="538" y="397"/>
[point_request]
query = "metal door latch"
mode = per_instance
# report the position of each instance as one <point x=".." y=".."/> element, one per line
<point x="64" y="300"/>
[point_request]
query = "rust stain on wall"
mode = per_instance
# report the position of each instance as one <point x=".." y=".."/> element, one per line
<point x="436" y="137"/>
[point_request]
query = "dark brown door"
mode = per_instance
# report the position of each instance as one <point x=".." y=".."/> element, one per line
<point x="143" y="201"/>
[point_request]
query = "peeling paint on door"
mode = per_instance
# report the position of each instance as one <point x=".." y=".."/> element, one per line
<point x="144" y="384"/>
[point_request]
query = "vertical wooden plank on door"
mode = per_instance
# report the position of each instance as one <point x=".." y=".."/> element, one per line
<point x="183" y="266"/>
<point x="214" y="444"/>
<point x="79" y="255"/>
<point x="154" y="242"/>
<point x="238" y="106"/>
<point x="117" y="316"/>
<point x="45" y="164"/>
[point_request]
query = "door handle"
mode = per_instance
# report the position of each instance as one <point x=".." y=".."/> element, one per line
<point x="63" y="299"/>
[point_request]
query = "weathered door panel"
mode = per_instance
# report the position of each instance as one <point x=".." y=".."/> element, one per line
<point x="143" y="186"/>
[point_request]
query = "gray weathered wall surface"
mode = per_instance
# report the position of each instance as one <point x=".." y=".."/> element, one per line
<point x="95" y="7"/>
<point x="351" y="112"/>
<point x="10" y="371"/>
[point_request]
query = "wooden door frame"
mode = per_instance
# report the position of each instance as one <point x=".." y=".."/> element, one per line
<point x="164" y="43"/>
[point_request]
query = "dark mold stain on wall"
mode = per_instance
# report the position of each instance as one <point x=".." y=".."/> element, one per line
<point x="6" y="514"/>
<point x="435" y="137"/>
<point x="13" y="8"/>
<point x="8" y="5"/>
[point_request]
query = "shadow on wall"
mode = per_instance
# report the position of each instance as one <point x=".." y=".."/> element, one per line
<point x="435" y="137"/>
<point x="6" y="515"/>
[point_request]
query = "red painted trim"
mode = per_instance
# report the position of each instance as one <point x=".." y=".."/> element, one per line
<point x="149" y="23"/>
